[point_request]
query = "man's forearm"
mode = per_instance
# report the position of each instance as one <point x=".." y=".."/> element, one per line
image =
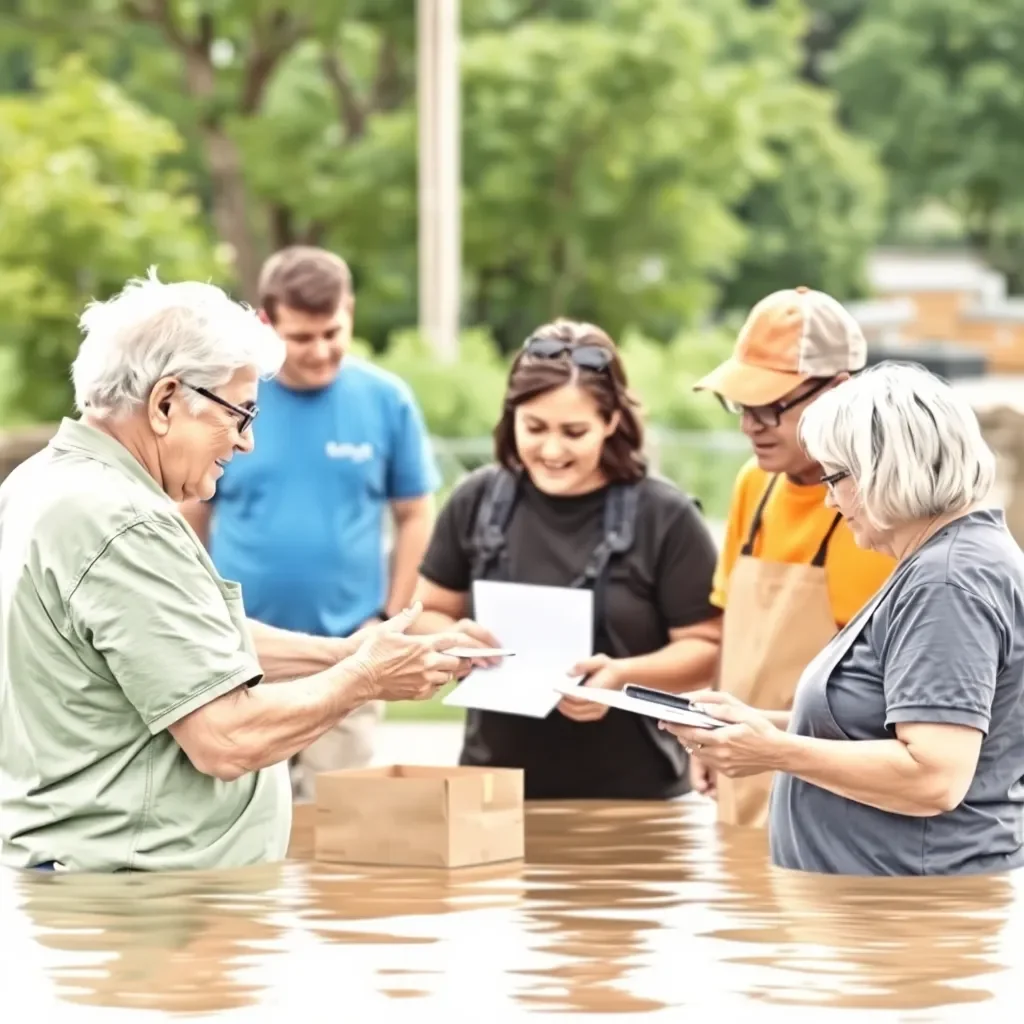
<point x="412" y="535"/>
<point x="283" y="654"/>
<point x="253" y="728"/>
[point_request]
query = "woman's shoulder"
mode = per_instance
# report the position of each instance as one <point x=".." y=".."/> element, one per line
<point x="468" y="494"/>
<point x="658" y="498"/>
<point x="668" y="518"/>
<point x="976" y="555"/>
<point x="662" y="498"/>
<point x="965" y="550"/>
<point x="472" y="487"/>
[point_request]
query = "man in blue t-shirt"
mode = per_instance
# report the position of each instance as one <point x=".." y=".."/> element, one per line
<point x="301" y="522"/>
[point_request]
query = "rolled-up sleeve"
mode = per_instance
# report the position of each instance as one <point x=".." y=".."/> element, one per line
<point x="942" y="657"/>
<point x="162" y="623"/>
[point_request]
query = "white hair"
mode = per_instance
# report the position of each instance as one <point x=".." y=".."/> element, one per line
<point x="189" y="330"/>
<point x="911" y="443"/>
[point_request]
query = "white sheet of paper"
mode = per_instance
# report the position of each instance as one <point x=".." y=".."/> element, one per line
<point x="648" y="708"/>
<point x="549" y="628"/>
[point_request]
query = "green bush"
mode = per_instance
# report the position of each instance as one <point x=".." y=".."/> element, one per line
<point x="458" y="400"/>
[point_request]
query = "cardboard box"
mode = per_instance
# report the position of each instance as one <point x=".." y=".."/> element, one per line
<point x="420" y="816"/>
<point x="301" y="844"/>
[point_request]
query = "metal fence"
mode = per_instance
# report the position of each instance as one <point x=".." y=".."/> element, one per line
<point x="702" y="463"/>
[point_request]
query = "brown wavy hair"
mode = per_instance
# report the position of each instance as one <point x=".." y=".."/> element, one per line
<point x="622" y="458"/>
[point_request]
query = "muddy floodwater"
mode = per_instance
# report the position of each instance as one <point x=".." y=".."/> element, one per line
<point x="627" y="911"/>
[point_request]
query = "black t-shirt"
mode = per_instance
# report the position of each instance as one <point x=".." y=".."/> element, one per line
<point x="663" y="582"/>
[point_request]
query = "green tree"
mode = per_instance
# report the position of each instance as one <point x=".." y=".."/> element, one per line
<point x="206" y="65"/>
<point x="84" y="205"/>
<point x="938" y="85"/>
<point x="816" y="206"/>
<point x="618" y="160"/>
<point x="210" y="68"/>
<point x="814" y="217"/>
<point x="828" y="23"/>
<point x="633" y="162"/>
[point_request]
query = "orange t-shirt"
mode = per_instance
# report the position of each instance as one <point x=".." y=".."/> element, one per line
<point x="793" y="525"/>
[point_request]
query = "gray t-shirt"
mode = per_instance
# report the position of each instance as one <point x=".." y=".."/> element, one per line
<point x="944" y="644"/>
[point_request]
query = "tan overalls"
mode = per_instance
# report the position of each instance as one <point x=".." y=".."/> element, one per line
<point x="777" y="618"/>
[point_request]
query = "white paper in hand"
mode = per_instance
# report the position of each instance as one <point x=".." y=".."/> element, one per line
<point x="549" y="628"/>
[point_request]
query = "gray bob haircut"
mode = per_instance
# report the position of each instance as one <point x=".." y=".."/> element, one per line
<point x="911" y="443"/>
<point x="189" y="330"/>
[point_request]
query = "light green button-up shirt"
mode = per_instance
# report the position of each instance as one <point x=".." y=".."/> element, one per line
<point x="114" y="624"/>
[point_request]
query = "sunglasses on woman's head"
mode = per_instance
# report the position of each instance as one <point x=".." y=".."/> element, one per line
<point x="586" y="357"/>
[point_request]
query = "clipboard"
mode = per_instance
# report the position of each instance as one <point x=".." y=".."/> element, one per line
<point x="648" y="708"/>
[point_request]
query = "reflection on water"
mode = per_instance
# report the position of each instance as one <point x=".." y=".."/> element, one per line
<point x="633" y="909"/>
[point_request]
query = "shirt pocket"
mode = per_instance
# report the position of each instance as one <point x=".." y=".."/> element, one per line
<point x="234" y="600"/>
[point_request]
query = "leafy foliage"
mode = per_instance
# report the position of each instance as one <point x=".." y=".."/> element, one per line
<point x="644" y="164"/>
<point x="466" y="403"/>
<point x="938" y="85"/>
<point x="86" y="205"/>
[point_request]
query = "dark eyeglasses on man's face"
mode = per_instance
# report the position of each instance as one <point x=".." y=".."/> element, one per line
<point x="771" y="415"/>
<point x="586" y="357"/>
<point x="244" y="414"/>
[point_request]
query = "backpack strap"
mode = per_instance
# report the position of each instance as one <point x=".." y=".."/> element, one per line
<point x="619" y="533"/>
<point x="492" y="518"/>
<point x="619" y="529"/>
<point x="495" y="511"/>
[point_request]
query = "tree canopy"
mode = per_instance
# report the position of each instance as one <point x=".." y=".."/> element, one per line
<point x="646" y="164"/>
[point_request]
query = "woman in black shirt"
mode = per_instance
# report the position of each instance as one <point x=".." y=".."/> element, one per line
<point x="569" y="439"/>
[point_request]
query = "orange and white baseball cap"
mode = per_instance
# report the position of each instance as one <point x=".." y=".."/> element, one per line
<point x="790" y="336"/>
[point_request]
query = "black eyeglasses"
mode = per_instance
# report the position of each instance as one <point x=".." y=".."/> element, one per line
<point x="245" y="416"/>
<point x="586" y="357"/>
<point x="771" y="415"/>
<point x="831" y="479"/>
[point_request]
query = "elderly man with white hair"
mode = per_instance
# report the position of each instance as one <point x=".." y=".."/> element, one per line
<point x="904" y="751"/>
<point x="145" y="723"/>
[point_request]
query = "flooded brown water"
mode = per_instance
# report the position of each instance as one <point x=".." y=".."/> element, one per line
<point x="640" y="911"/>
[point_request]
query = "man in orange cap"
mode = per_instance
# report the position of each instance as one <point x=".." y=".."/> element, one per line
<point x="790" y="574"/>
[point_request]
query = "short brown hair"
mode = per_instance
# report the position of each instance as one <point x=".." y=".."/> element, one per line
<point x="306" y="279"/>
<point x="622" y="458"/>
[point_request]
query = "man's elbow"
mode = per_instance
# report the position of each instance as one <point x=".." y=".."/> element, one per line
<point x="218" y="764"/>
<point x="209" y="749"/>
<point x="226" y="771"/>
<point x="941" y="796"/>
<point x="414" y="512"/>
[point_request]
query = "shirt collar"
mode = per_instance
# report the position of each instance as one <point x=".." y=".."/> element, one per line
<point x="74" y="435"/>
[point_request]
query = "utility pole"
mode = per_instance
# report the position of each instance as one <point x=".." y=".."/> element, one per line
<point x="439" y="167"/>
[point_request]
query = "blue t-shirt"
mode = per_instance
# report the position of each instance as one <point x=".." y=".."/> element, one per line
<point x="300" y="521"/>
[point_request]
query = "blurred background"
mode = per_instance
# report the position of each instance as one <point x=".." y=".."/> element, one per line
<point x="655" y="166"/>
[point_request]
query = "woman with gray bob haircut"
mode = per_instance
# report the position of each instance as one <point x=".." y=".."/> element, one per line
<point x="904" y="751"/>
<point x="142" y="740"/>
